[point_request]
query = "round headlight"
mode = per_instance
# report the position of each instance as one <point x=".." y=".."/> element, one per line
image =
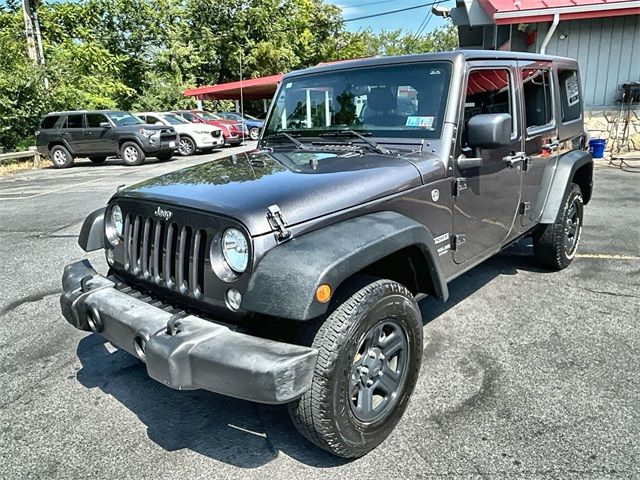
<point x="117" y="221"/>
<point x="235" y="250"/>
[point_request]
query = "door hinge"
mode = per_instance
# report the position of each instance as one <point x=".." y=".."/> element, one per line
<point x="526" y="163"/>
<point x="457" y="241"/>
<point x="277" y="222"/>
<point x="525" y="207"/>
<point x="459" y="185"/>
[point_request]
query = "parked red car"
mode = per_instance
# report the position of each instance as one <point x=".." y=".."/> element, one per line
<point x="233" y="132"/>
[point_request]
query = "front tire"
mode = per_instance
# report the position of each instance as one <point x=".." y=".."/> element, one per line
<point x="131" y="154"/>
<point x="555" y="245"/>
<point x="254" y="133"/>
<point x="370" y="350"/>
<point x="61" y="157"/>
<point x="186" y="146"/>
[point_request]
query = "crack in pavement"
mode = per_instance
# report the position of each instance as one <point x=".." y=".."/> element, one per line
<point x="34" y="297"/>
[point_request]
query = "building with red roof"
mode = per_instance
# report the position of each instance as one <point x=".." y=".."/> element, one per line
<point x="603" y="35"/>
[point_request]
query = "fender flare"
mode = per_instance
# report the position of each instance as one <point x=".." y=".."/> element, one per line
<point x="284" y="282"/>
<point x="92" y="232"/>
<point x="566" y="169"/>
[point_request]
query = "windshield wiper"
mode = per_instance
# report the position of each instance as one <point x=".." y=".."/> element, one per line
<point x="293" y="140"/>
<point x="352" y="133"/>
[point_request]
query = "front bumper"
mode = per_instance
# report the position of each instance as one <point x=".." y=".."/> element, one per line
<point x="206" y="140"/>
<point x="190" y="352"/>
<point x="160" y="143"/>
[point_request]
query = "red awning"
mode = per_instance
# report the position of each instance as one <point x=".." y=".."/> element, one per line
<point x="252" y="89"/>
<point x="529" y="11"/>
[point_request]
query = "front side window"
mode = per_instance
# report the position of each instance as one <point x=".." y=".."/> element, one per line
<point x="489" y="91"/>
<point x="74" y="121"/>
<point x="387" y="101"/>
<point x="122" y="119"/>
<point x="538" y="103"/>
<point x="209" y="116"/>
<point x="95" y="119"/>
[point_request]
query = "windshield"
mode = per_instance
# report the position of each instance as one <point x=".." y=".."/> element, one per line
<point x="209" y="116"/>
<point x="387" y="101"/>
<point x="174" y="119"/>
<point x="122" y="119"/>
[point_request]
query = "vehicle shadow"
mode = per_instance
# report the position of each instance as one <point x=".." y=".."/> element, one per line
<point x="237" y="432"/>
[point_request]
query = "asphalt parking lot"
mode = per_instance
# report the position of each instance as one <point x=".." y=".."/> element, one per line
<point x="526" y="373"/>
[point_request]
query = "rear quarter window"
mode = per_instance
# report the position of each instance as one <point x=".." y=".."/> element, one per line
<point x="570" y="97"/>
<point x="50" y="121"/>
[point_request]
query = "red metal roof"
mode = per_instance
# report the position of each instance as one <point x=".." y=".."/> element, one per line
<point x="528" y="11"/>
<point x="252" y="89"/>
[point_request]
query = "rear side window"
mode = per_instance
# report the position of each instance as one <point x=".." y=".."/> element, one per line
<point x="49" y="122"/>
<point x="95" y="119"/>
<point x="74" y="121"/>
<point x="538" y="100"/>
<point x="569" y="95"/>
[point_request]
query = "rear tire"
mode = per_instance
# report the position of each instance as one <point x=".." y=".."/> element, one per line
<point x="254" y="133"/>
<point x="98" y="160"/>
<point x="61" y="157"/>
<point x="555" y="245"/>
<point x="370" y="350"/>
<point x="131" y="154"/>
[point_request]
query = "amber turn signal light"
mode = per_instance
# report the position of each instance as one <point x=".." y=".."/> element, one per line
<point x="323" y="293"/>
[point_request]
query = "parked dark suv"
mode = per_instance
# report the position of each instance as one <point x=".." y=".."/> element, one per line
<point x="63" y="136"/>
<point x="291" y="274"/>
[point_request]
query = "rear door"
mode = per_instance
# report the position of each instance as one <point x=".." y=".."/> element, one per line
<point x="98" y="138"/>
<point x="487" y="197"/>
<point x="541" y="140"/>
<point x="72" y="132"/>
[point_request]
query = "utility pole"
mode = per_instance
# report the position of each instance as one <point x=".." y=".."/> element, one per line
<point x="34" y="39"/>
<point x="29" y="32"/>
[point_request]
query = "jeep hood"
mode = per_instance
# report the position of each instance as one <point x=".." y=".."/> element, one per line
<point x="304" y="184"/>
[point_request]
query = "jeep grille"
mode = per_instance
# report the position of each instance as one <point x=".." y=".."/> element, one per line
<point x="165" y="253"/>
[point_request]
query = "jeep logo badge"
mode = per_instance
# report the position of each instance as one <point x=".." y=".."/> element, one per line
<point x="164" y="214"/>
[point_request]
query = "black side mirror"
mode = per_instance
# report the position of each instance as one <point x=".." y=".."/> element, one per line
<point x="105" y="125"/>
<point x="491" y="130"/>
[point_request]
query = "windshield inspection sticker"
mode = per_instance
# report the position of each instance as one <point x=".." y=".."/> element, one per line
<point x="421" y="122"/>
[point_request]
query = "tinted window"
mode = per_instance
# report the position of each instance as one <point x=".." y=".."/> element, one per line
<point x="74" y="121"/>
<point x="569" y="94"/>
<point x="95" y="119"/>
<point x="50" y="121"/>
<point x="488" y="91"/>
<point x="152" y="120"/>
<point x="537" y="97"/>
<point x="188" y="116"/>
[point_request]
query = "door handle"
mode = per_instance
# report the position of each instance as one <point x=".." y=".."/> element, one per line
<point x="511" y="160"/>
<point x="552" y="145"/>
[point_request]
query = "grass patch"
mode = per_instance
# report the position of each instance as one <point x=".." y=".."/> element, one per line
<point x="8" y="168"/>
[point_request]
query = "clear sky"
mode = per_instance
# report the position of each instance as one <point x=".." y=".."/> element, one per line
<point x="411" y="20"/>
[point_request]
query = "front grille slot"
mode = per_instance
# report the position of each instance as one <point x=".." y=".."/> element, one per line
<point x="170" y="255"/>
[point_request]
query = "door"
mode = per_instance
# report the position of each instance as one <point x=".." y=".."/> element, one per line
<point x="541" y="136"/>
<point x="72" y="132"/>
<point x="487" y="196"/>
<point x="98" y="137"/>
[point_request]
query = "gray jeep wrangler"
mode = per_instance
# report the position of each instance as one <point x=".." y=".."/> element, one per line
<point x="290" y="274"/>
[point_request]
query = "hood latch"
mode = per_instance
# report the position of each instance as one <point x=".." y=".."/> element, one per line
<point x="277" y="222"/>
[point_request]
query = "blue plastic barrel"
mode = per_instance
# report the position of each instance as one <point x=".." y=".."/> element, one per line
<point x="596" y="147"/>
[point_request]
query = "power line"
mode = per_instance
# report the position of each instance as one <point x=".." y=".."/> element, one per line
<point x="388" y="12"/>
<point x="365" y="4"/>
